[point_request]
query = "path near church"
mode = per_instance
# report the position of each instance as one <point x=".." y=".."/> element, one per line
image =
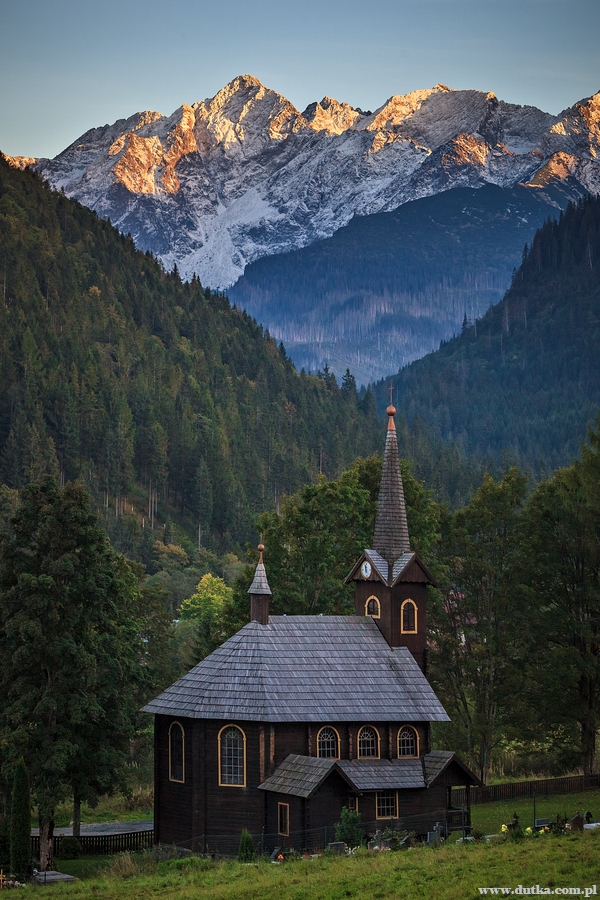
<point x="107" y="827"/>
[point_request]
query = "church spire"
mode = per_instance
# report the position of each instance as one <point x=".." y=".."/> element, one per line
<point x="391" y="528"/>
<point x="260" y="592"/>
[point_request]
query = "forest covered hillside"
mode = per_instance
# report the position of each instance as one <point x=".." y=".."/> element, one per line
<point x="524" y="380"/>
<point x="165" y="400"/>
<point x="387" y="288"/>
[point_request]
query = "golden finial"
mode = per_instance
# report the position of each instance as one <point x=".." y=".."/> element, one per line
<point x="391" y="411"/>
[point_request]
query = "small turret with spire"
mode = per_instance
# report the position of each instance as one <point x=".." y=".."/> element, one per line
<point x="260" y="592"/>
<point x="390" y="580"/>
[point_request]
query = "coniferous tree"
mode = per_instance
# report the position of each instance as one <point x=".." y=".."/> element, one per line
<point x="20" y="821"/>
<point x="70" y="649"/>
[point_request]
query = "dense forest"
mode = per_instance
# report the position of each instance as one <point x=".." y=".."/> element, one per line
<point x="163" y="398"/>
<point x="386" y="288"/>
<point x="524" y="380"/>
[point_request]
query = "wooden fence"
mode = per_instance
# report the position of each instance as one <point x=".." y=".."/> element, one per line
<point x="570" y="784"/>
<point x="102" y="844"/>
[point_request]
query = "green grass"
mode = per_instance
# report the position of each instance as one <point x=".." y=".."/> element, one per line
<point x="489" y="817"/>
<point x="449" y="873"/>
<point x="119" y="808"/>
<point x="87" y="867"/>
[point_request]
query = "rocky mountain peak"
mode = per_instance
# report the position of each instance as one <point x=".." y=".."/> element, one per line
<point x="331" y="116"/>
<point x="243" y="117"/>
<point x="244" y="174"/>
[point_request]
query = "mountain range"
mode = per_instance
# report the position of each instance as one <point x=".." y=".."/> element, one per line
<point x="244" y="175"/>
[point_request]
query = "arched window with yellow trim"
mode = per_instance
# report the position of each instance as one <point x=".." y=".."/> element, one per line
<point x="232" y="756"/>
<point x="328" y="743"/>
<point x="176" y="752"/>
<point x="368" y="743"/>
<point x="408" y="741"/>
<point x="408" y="617"/>
<point x="373" y="607"/>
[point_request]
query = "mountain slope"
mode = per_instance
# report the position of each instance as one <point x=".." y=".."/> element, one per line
<point x="244" y="174"/>
<point x="526" y="377"/>
<point x="163" y="398"/>
<point x="387" y="288"/>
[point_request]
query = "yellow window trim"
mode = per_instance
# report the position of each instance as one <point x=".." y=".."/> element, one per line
<point x="385" y="818"/>
<point x="416" y="628"/>
<point x="285" y="806"/>
<point x="377" y="601"/>
<point x="417" y="742"/>
<point x="339" y="743"/>
<point x="177" y="780"/>
<point x="241" y="730"/>
<point x="372" y="727"/>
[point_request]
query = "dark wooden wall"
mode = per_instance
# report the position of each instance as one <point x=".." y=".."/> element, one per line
<point x="186" y="813"/>
<point x="390" y="601"/>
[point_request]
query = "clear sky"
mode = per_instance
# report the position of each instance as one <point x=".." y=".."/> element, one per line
<point x="70" y="65"/>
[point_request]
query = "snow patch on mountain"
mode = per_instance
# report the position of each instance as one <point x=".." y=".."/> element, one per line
<point x="244" y="174"/>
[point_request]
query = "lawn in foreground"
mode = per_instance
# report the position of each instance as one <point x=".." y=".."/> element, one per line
<point x="449" y="873"/>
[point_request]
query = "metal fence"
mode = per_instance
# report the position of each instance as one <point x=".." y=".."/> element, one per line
<point x="316" y="840"/>
<point x="101" y="844"/>
<point x="569" y="784"/>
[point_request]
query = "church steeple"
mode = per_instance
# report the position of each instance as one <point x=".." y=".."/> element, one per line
<point x="390" y="581"/>
<point x="391" y="527"/>
<point x="260" y="592"/>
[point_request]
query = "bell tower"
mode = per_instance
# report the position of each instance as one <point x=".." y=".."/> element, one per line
<point x="390" y="580"/>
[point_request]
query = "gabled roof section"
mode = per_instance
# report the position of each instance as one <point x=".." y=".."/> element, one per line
<point x="305" y="669"/>
<point x="379" y="565"/>
<point x="437" y="761"/>
<point x="391" y="527"/>
<point x="383" y="774"/>
<point x="301" y="775"/>
<point x="410" y="568"/>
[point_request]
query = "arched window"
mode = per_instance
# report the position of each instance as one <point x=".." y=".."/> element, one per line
<point x="408" y="741"/>
<point x="328" y="743"/>
<point x="373" y="607"/>
<point x="408" y="617"/>
<point x="368" y="743"/>
<point x="176" y="746"/>
<point x="232" y="756"/>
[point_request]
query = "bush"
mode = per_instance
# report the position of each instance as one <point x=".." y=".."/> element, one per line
<point x="246" y="849"/>
<point x="69" y="848"/>
<point x="349" y="829"/>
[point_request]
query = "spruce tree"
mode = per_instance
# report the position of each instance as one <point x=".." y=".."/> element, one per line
<point x="20" y="821"/>
<point x="246" y="851"/>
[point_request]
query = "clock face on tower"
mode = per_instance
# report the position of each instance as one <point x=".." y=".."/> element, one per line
<point x="365" y="569"/>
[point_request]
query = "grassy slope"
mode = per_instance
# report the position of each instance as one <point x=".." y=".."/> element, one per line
<point x="488" y="817"/>
<point x="450" y="873"/>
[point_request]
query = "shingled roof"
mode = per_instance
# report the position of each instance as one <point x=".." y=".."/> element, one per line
<point x="383" y="774"/>
<point x="300" y="776"/>
<point x="391" y="527"/>
<point x="305" y="669"/>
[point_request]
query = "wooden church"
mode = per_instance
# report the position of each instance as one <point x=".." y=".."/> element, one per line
<point x="295" y="717"/>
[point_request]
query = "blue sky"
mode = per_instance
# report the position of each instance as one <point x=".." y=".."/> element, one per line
<point x="70" y="65"/>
